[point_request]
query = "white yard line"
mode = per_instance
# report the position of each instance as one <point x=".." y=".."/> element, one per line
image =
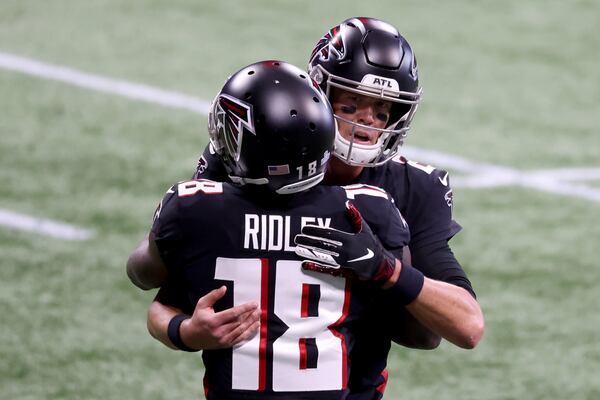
<point x="570" y="174"/>
<point x="98" y="83"/>
<point x="476" y="174"/>
<point x="483" y="175"/>
<point x="43" y="226"/>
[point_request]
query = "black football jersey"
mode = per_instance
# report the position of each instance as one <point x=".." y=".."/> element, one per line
<point x="423" y="195"/>
<point x="211" y="234"/>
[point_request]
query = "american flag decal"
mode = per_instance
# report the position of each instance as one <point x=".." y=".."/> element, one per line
<point x="279" y="169"/>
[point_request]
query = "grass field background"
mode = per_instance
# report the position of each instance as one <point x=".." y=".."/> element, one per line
<point x="511" y="83"/>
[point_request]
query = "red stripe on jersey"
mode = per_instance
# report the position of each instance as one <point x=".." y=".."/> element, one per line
<point x="304" y="303"/>
<point x="205" y="384"/>
<point x="264" y="308"/>
<point x="341" y="337"/>
<point x="303" y="358"/>
<point x="381" y="388"/>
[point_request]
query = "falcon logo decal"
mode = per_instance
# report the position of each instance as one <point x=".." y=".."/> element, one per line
<point x="201" y="167"/>
<point x="330" y="45"/>
<point x="448" y="198"/>
<point x="233" y="115"/>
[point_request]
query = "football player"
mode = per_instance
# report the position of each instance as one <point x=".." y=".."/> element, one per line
<point x="370" y="75"/>
<point x="274" y="130"/>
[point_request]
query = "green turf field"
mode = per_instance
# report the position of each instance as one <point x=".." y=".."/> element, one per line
<point x="514" y="84"/>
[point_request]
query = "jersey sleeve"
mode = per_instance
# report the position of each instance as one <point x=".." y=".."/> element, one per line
<point x="210" y="166"/>
<point x="167" y="228"/>
<point x="396" y="235"/>
<point x="432" y="226"/>
<point x="430" y="215"/>
<point x="171" y="294"/>
<point x="437" y="261"/>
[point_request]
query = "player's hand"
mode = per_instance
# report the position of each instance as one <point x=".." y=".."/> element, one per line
<point x="208" y="329"/>
<point x="358" y="254"/>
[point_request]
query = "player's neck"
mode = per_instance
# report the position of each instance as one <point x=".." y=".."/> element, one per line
<point x="340" y="173"/>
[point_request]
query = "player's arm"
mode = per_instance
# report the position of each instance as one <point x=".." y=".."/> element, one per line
<point x="409" y="332"/>
<point x="401" y="325"/>
<point x="205" y="328"/>
<point x="404" y="329"/>
<point x="437" y="262"/>
<point x="431" y="228"/>
<point x="145" y="268"/>
<point x="159" y="316"/>
<point x="446" y="309"/>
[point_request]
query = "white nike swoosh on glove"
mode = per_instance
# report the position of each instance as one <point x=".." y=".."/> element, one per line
<point x="365" y="257"/>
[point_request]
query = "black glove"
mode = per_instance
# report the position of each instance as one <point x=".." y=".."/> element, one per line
<point x="358" y="254"/>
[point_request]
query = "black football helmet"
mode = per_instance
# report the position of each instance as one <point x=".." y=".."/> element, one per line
<point x="369" y="57"/>
<point x="273" y="126"/>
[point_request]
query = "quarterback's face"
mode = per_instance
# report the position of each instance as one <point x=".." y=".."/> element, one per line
<point x="360" y="109"/>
